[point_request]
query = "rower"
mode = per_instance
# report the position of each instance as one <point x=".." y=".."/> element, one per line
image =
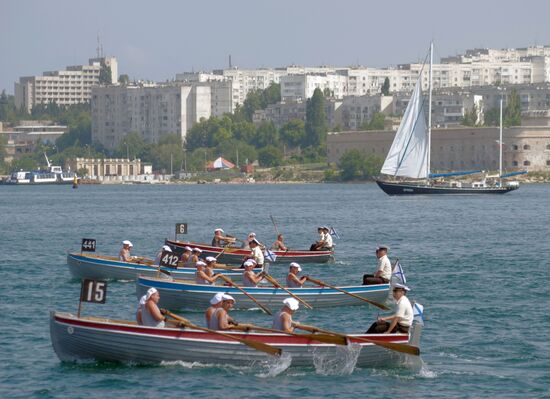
<point x="384" y="270"/>
<point x="211" y="263"/>
<point x="139" y="311"/>
<point x="220" y="319"/>
<point x="251" y="279"/>
<point x="256" y="253"/>
<point x="150" y="312"/>
<point x="185" y="257"/>
<point x="283" y="319"/>
<point x="165" y="248"/>
<point x="401" y="320"/>
<point x="215" y="303"/>
<point x="195" y="257"/>
<point x="124" y="254"/>
<point x="246" y="242"/>
<point x="220" y="240"/>
<point x="279" y="244"/>
<point x="292" y="279"/>
<point x="202" y="276"/>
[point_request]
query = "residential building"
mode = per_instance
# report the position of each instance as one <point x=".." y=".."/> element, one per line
<point x="285" y="111"/>
<point x="66" y="87"/>
<point x="357" y="110"/>
<point x="301" y="87"/>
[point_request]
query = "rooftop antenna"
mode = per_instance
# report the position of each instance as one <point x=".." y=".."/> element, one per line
<point x="98" y="48"/>
<point x="230" y="66"/>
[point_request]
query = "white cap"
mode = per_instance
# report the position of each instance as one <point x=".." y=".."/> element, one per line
<point x="252" y="234"/>
<point x="402" y="286"/>
<point x="291" y="303"/>
<point x="255" y="241"/>
<point x="187" y="249"/>
<point x="142" y="300"/>
<point x="200" y="263"/>
<point x="166" y="248"/>
<point x="216" y="298"/>
<point x="296" y="265"/>
<point x="249" y="262"/>
<point x="127" y="242"/>
<point x="210" y="259"/>
<point x="150" y="292"/>
<point x="325" y="228"/>
<point x="218" y="229"/>
<point x="227" y="297"/>
<point x="197" y="250"/>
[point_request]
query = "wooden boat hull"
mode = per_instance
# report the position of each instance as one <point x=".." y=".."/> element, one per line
<point x="179" y="294"/>
<point x="91" y="338"/>
<point x="94" y="267"/>
<point x="395" y="188"/>
<point x="236" y="255"/>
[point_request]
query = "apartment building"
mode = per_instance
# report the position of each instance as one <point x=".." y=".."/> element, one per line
<point x="66" y="87"/>
<point x="285" y="111"/>
<point x="301" y="87"/>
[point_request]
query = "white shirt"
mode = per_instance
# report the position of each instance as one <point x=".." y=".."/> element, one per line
<point x="328" y="240"/>
<point x="404" y="311"/>
<point x="384" y="265"/>
<point x="258" y="255"/>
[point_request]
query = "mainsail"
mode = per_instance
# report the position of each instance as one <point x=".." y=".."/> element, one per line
<point x="408" y="155"/>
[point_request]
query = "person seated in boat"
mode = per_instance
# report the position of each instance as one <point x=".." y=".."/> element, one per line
<point x="202" y="275"/>
<point x="195" y="257"/>
<point x="382" y="275"/>
<point x="279" y="244"/>
<point x="292" y="279"/>
<point x="150" y="312"/>
<point x="256" y="253"/>
<point x="185" y="258"/>
<point x="251" y="279"/>
<point x="246" y="242"/>
<point x="282" y="320"/>
<point x="326" y="243"/>
<point x="401" y="320"/>
<point x="215" y="303"/>
<point x="139" y="310"/>
<point x="316" y="244"/>
<point x="124" y="254"/>
<point x="220" y="319"/>
<point x="220" y="240"/>
<point x="165" y="248"/>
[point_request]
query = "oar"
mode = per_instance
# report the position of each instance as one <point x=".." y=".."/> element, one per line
<point x="232" y="284"/>
<point x="274" y="224"/>
<point x="273" y="281"/>
<point x="253" y="344"/>
<point x="326" y="338"/>
<point x="378" y="305"/>
<point x="403" y="348"/>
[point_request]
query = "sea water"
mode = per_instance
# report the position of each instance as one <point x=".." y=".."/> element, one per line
<point x="478" y="264"/>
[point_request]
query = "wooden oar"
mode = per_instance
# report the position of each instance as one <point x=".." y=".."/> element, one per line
<point x="253" y="344"/>
<point x="273" y="281"/>
<point x="403" y="348"/>
<point x="326" y="338"/>
<point x="232" y="284"/>
<point x="319" y="282"/>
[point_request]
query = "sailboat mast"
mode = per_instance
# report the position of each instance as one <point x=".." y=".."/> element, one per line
<point x="500" y="143"/>
<point x="430" y="109"/>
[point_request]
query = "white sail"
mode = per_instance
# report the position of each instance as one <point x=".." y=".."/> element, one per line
<point x="408" y="155"/>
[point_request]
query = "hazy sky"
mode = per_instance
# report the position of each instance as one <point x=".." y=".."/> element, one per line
<point x="157" y="39"/>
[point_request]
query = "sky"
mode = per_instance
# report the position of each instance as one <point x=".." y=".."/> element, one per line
<point x="156" y="39"/>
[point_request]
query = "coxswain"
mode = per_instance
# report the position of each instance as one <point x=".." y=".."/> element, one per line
<point x="292" y="279"/>
<point x="165" y="248"/>
<point x="195" y="257"/>
<point x="401" y="320"/>
<point x="124" y="254"/>
<point x="315" y="245"/>
<point x="326" y="244"/>
<point x="202" y="276"/>
<point x="256" y="253"/>
<point x="251" y="279"/>
<point x="382" y="275"/>
<point x="279" y="244"/>
<point x="150" y="312"/>
<point x="220" y="240"/>
<point x="220" y="319"/>
<point x="215" y="303"/>
<point x="282" y="320"/>
<point x="185" y="258"/>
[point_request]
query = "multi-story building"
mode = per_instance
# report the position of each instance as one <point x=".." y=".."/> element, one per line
<point x="285" y="111"/>
<point x="70" y="86"/>
<point x="357" y="110"/>
<point x="301" y="87"/>
<point x="149" y="110"/>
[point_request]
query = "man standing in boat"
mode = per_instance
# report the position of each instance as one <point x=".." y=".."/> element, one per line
<point x="382" y="275"/>
<point x="401" y="320"/>
<point x="124" y="254"/>
<point x="282" y="320"/>
<point x="220" y="240"/>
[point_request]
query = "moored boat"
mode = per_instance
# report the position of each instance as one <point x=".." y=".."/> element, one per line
<point x="92" y="338"/>
<point x="93" y="266"/>
<point x="235" y="255"/>
<point x="177" y="294"/>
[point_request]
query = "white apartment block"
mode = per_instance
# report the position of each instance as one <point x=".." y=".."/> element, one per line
<point x="301" y="87"/>
<point x="356" y="110"/>
<point x="221" y="89"/>
<point x="151" y="111"/>
<point x="70" y="86"/>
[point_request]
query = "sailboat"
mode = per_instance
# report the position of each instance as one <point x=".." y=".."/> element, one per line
<point x="409" y="156"/>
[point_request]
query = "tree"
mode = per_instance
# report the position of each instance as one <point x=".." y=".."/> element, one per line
<point x="316" y="121"/>
<point x="270" y="156"/>
<point x="512" y="113"/>
<point x="351" y="164"/>
<point x="491" y="117"/>
<point x="386" y="87"/>
<point x="124" y="80"/>
<point x="79" y="133"/>
<point x="133" y="146"/>
<point x="260" y="99"/>
<point x="105" y="74"/>
<point x="266" y="134"/>
<point x="8" y="110"/>
<point x="376" y="122"/>
<point x="231" y="148"/>
<point x="293" y="132"/>
<point x="470" y="117"/>
<point x="26" y="162"/>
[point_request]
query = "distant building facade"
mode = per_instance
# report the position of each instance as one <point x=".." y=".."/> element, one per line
<point x="284" y="111"/>
<point x="101" y="167"/>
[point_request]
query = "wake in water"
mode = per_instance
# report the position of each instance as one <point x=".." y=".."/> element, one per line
<point x="340" y="360"/>
<point x="275" y="365"/>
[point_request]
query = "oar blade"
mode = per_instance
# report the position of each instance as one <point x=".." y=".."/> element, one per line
<point x="272" y="350"/>
<point x="403" y="348"/>
<point x="327" y="339"/>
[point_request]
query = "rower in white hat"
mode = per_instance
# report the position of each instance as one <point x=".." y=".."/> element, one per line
<point x="292" y="279"/>
<point x="401" y="320"/>
<point x="215" y="303"/>
<point x="220" y="319"/>
<point x="124" y="254"/>
<point x="165" y="248"/>
<point x="195" y="257"/>
<point x="185" y="258"/>
<point x="251" y="279"/>
<point x="150" y="312"/>
<point x="221" y="240"/>
<point x="202" y="276"/>
<point x="282" y="320"/>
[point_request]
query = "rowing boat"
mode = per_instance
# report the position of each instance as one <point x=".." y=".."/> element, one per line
<point x="93" y="266"/>
<point x="236" y="255"/>
<point x="178" y="294"/>
<point x="93" y="338"/>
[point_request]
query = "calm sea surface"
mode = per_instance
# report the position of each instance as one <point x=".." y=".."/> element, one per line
<point x="479" y="265"/>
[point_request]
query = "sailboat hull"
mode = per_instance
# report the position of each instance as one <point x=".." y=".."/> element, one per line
<point x="396" y="188"/>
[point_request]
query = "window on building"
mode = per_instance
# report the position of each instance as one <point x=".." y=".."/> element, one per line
<point x="526" y="163"/>
<point x="548" y="163"/>
<point x="526" y="147"/>
<point x="514" y="163"/>
<point x="548" y="146"/>
<point x="514" y="147"/>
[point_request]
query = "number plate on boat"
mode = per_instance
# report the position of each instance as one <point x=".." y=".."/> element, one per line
<point x="93" y="291"/>
<point x="169" y="259"/>
<point x="181" y="228"/>
<point x="88" y="244"/>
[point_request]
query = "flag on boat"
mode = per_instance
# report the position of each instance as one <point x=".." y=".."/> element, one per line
<point x="399" y="272"/>
<point x="334" y="233"/>
<point x="270" y="255"/>
<point x="418" y="313"/>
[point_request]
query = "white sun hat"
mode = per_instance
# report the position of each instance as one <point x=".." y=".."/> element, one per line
<point x="210" y="259"/>
<point x="150" y="293"/>
<point x="127" y="242"/>
<point x="227" y="297"/>
<point x="291" y="303"/>
<point x="296" y="265"/>
<point x="166" y="248"/>
<point x="216" y="298"/>
<point x="200" y="263"/>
